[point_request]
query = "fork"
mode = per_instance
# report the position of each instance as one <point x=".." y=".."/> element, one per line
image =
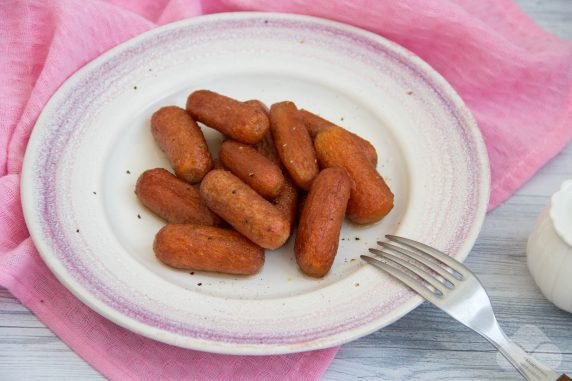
<point x="454" y="289"/>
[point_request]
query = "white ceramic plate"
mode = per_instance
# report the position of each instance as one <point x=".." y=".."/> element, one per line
<point x="92" y="140"/>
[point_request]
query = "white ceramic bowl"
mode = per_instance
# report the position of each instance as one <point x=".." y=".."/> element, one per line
<point x="550" y="249"/>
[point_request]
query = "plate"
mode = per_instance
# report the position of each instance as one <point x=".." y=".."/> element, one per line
<point x="93" y="139"/>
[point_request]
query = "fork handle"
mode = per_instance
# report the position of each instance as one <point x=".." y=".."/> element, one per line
<point x="530" y="368"/>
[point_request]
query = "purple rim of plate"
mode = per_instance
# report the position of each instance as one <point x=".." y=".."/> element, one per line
<point x="45" y="172"/>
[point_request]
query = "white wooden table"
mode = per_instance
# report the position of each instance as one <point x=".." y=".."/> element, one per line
<point x="425" y="344"/>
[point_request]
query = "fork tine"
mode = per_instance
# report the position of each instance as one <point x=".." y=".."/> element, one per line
<point x="430" y="264"/>
<point x="426" y="276"/>
<point x="416" y="286"/>
<point x="432" y="252"/>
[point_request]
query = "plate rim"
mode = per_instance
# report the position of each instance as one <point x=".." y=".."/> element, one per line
<point x="338" y="338"/>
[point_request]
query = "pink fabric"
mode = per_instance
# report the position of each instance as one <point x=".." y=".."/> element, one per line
<point x="514" y="77"/>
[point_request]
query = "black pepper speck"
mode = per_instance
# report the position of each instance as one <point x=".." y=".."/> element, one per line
<point x="128" y="172"/>
<point x="199" y="284"/>
<point x="139" y="216"/>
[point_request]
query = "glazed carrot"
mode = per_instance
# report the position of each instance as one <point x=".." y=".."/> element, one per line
<point x="183" y="142"/>
<point x="316" y="124"/>
<point x="173" y="199"/>
<point x="371" y="199"/>
<point x="321" y="221"/>
<point x="244" y="209"/>
<point x="195" y="247"/>
<point x="293" y="143"/>
<point x="235" y="119"/>
<point x="253" y="168"/>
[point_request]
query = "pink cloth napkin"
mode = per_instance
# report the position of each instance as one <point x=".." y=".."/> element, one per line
<point x="516" y="79"/>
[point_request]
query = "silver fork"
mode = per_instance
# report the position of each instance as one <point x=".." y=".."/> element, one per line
<point x="453" y="288"/>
